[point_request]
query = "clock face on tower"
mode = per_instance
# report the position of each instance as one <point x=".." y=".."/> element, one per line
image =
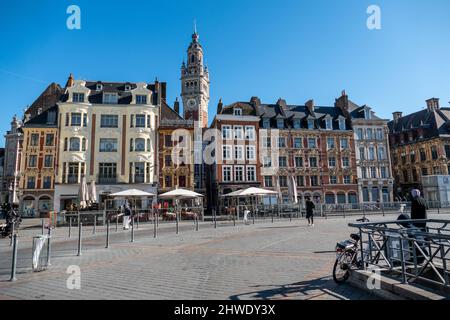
<point x="192" y="103"/>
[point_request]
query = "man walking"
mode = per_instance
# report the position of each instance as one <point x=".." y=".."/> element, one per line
<point x="418" y="209"/>
<point x="310" y="206"/>
<point x="126" y="215"/>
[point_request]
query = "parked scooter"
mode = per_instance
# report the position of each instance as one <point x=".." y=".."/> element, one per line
<point x="13" y="221"/>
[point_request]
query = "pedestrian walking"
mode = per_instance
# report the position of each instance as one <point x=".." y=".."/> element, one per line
<point x="310" y="206"/>
<point x="418" y="209"/>
<point x="126" y="215"/>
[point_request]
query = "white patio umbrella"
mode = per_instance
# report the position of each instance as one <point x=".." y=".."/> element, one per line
<point x="83" y="193"/>
<point x="132" y="193"/>
<point x="180" y="194"/>
<point x="93" y="192"/>
<point x="250" y="192"/>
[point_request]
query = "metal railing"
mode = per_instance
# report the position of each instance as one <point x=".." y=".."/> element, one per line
<point x="408" y="248"/>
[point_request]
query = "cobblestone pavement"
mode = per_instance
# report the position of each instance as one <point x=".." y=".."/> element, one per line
<point x="283" y="260"/>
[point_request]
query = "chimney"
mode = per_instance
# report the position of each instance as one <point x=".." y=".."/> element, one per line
<point x="342" y="102"/>
<point x="70" y="81"/>
<point x="176" y="106"/>
<point x="397" y="116"/>
<point x="433" y="104"/>
<point x="164" y="90"/>
<point x="255" y="101"/>
<point x="310" y="105"/>
<point x="219" y="106"/>
<point x="281" y="103"/>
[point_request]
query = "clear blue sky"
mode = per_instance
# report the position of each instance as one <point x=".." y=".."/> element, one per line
<point x="297" y="50"/>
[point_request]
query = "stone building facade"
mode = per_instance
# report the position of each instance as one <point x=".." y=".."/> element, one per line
<point x="13" y="149"/>
<point x="419" y="146"/>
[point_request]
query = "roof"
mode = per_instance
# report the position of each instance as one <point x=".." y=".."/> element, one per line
<point x="47" y="119"/>
<point x="47" y="99"/>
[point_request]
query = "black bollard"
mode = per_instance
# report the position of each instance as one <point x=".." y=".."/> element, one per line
<point x="95" y="225"/>
<point x="70" y="226"/>
<point x="154" y="226"/>
<point x="14" y="259"/>
<point x="132" y="228"/>
<point x="177" y="227"/>
<point x="12" y="234"/>
<point x="137" y="225"/>
<point x="117" y="223"/>
<point x="42" y="226"/>
<point x="107" y="234"/>
<point x="80" y="234"/>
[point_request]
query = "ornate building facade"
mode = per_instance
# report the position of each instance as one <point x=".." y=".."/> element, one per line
<point x="13" y="149"/>
<point x="38" y="161"/>
<point x="420" y="146"/>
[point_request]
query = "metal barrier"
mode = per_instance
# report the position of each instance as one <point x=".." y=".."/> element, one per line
<point x="408" y="249"/>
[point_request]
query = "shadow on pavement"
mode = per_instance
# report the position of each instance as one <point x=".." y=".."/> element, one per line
<point x="317" y="289"/>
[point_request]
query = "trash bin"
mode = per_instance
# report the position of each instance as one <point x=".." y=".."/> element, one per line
<point x="37" y="260"/>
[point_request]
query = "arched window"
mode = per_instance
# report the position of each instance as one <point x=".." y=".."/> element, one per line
<point x="74" y="144"/>
<point x="131" y="145"/>
<point x="352" y="198"/>
<point x="139" y="145"/>
<point x="83" y="144"/>
<point x="330" y="198"/>
<point x="148" y="145"/>
<point x="193" y="58"/>
<point x="341" y="198"/>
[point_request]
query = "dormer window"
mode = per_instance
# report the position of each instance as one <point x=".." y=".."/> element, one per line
<point x="367" y="114"/>
<point x="310" y="124"/>
<point x="78" y="97"/>
<point x="110" y="98"/>
<point x="99" y="87"/>
<point x="297" y="124"/>
<point x="141" y="99"/>
<point x="238" y="111"/>
<point x="266" y="123"/>
<point x="329" y="123"/>
<point x="342" y="124"/>
<point x="280" y="123"/>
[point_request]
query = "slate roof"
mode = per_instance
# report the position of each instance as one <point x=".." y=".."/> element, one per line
<point x="47" y="99"/>
<point x="47" y="119"/>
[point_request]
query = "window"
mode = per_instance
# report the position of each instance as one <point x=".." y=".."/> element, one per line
<point x="132" y="121"/>
<point x="148" y="145"/>
<point x="251" y="154"/>
<point x="297" y="124"/>
<point x="49" y="140"/>
<point x="77" y="97"/>
<point x="298" y="162"/>
<point x="84" y="119"/>
<point x="413" y="157"/>
<point x="140" y="121"/>
<point x="266" y="123"/>
<point x="32" y="161"/>
<point x="314" y="181"/>
<point x="48" y="161"/>
<point x="83" y="144"/>
<point x="268" y="181"/>
<point x="250" y="133"/>
<point x="329" y="124"/>
<point x="347" y="180"/>
<point x="139" y="172"/>
<point x="110" y="98"/>
<point x="226" y="172"/>
<point x="168" y="181"/>
<point x="371" y="153"/>
<point x="332" y="162"/>
<point x="226" y="132"/>
<point x="280" y="123"/>
<point x="47" y="183"/>
<point x="313" y="162"/>
<point x="31" y="182"/>
<point x="168" y="141"/>
<point x="447" y="151"/>
<point x="342" y="125"/>
<point x="282" y="162"/>
<point x="424" y="171"/>
<point x="226" y="153"/>
<point x="238" y="132"/>
<point x="238" y="173"/>
<point x="330" y="143"/>
<point x="369" y="134"/>
<point x="139" y="145"/>
<point x="333" y="180"/>
<point x="423" y="155"/>
<point x="109" y="121"/>
<point x="281" y="142"/>
<point x="65" y="144"/>
<point x="344" y="143"/>
<point x="267" y="142"/>
<point x="108" y="145"/>
<point x="364" y="172"/>
<point x="359" y="134"/>
<point x="251" y="173"/>
<point x="75" y="119"/>
<point x="434" y="153"/>
<point x="383" y="172"/>
<point x="311" y="124"/>
<point x="297" y="143"/>
<point x="380" y="134"/>
<point x="182" y="181"/>
<point x="107" y="173"/>
<point x="362" y="153"/>
<point x="300" y="181"/>
<point x="34" y="139"/>
<point x="373" y="172"/>
<point x="74" y="169"/>
<point x="381" y="153"/>
<point x="267" y="161"/>
<point x="237" y="111"/>
<point x="74" y="144"/>
<point x="283" y="181"/>
<point x="168" y="160"/>
<point x="312" y="143"/>
<point x="239" y="152"/>
<point x="345" y="162"/>
<point x="141" y="99"/>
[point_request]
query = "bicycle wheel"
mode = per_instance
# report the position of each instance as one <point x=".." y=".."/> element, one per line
<point x="341" y="269"/>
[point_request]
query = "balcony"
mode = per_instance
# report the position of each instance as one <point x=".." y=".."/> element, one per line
<point x="106" y="179"/>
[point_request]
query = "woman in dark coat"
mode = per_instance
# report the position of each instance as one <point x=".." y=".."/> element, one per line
<point x="418" y="209"/>
<point x="310" y="206"/>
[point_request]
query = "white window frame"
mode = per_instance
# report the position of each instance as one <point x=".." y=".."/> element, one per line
<point x="237" y="129"/>
<point x="251" y="153"/>
<point x="328" y="123"/>
<point x="241" y="152"/>
<point x="242" y="169"/>
<point x="227" y="132"/>
<point x="251" y="169"/>
<point x="229" y="152"/>
<point x="230" y="168"/>
<point x="237" y="111"/>
<point x="250" y="133"/>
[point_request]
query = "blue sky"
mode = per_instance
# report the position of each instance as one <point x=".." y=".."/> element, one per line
<point x="296" y="50"/>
